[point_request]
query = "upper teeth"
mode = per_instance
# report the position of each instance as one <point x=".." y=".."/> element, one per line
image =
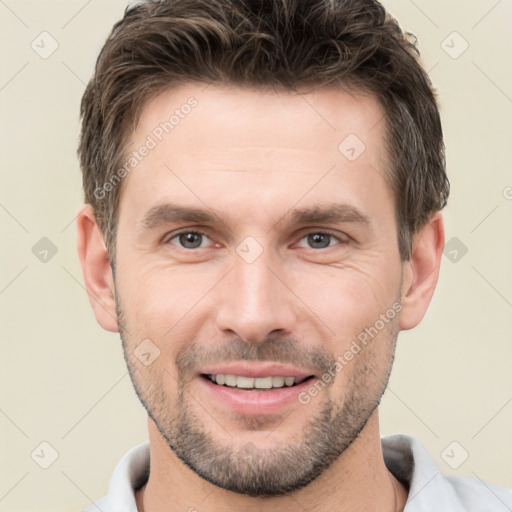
<point x="253" y="382"/>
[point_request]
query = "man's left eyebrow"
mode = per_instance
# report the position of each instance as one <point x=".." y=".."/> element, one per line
<point x="328" y="214"/>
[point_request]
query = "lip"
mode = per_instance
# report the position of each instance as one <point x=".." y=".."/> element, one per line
<point x="248" y="369"/>
<point x="254" y="402"/>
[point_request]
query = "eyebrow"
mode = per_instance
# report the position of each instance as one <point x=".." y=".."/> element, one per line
<point x="169" y="213"/>
<point x="332" y="213"/>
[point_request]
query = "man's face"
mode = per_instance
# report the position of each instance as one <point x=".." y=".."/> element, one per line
<point x="261" y="286"/>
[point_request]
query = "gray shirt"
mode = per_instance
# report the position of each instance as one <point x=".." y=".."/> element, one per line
<point x="405" y="457"/>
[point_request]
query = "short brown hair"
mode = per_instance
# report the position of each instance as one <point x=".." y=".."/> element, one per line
<point x="281" y="44"/>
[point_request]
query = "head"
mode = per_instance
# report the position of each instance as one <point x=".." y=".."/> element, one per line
<point x="264" y="182"/>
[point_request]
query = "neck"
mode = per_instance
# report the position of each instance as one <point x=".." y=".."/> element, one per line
<point x="357" y="480"/>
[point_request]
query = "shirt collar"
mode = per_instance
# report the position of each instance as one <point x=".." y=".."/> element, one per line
<point x="404" y="456"/>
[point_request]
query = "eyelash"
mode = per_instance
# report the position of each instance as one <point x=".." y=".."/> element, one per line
<point x="202" y="233"/>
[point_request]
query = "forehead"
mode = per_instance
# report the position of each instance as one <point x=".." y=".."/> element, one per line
<point x="235" y="116"/>
<point x="247" y="145"/>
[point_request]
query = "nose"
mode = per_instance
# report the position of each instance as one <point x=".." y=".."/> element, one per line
<point x="254" y="300"/>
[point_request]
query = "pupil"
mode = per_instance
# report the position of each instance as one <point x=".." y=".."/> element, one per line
<point x="190" y="240"/>
<point x="319" y="240"/>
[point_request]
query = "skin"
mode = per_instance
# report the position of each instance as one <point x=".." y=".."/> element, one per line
<point x="253" y="157"/>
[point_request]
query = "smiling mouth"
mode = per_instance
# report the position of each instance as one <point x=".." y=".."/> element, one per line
<point x="254" y="383"/>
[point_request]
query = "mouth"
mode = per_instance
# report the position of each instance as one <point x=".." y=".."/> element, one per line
<point x="248" y="383"/>
<point x="253" y="388"/>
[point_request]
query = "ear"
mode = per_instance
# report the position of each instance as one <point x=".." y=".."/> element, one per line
<point x="96" y="269"/>
<point x="421" y="272"/>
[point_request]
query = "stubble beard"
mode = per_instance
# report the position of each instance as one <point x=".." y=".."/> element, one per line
<point x="250" y="470"/>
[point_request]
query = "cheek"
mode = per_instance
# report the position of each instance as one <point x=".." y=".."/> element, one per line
<point x="149" y="292"/>
<point x="351" y="298"/>
<point x="164" y="304"/>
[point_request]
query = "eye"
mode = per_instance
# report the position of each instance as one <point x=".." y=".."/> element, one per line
<point x="321" y="240"/>
<point x="189" y="239"/>
<point x="198" y="239"/>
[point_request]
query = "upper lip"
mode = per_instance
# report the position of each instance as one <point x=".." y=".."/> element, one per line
<point x="251" y="369"/>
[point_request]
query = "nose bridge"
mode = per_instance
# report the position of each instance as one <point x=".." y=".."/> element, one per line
<point x="254" y="302"/>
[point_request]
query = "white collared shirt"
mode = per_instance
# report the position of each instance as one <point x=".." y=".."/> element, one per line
<point x="405" y="457"/>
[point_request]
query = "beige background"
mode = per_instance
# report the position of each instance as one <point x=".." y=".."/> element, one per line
<point x="63" y="379"/>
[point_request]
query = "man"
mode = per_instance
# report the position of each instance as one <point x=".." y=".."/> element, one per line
<point x="264" y="183"/>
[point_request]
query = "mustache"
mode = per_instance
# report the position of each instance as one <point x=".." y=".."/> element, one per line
<point x="314" y="360"/>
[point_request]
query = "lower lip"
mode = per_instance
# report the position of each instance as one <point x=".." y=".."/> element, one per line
<point x="268" y="401"/>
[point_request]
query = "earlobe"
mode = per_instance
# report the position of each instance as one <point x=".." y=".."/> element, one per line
<point x="96" y="269"/>
<point x="421" y="272"/>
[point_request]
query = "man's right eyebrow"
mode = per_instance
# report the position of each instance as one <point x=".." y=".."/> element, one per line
<point x="169" y="213"/>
